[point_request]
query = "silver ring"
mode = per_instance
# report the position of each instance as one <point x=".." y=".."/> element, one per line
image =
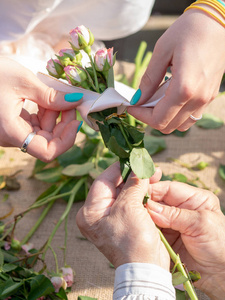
<point x="194" y="118"/>
<point x="27" y="141"/>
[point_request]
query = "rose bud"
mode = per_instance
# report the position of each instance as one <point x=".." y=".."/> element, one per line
<point x="67" y="274"/>
<point x="82" y="38"/>
<point x="58" y="282"/>
<point x="69" y="56"/>
<point x="104" y="59"/>
<point x="76" y="75"/>
<point x="54" y="68"/>
<point x="15" y="244"/>
<point x="27" y="247"/>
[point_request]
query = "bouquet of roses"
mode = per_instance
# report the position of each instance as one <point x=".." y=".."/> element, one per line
<point x="124" y="140"/>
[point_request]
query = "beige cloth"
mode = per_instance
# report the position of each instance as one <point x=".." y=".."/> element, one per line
<point x="94" y="277"/>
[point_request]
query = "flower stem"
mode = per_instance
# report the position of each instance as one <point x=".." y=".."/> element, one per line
<point x="176" y="259"/>
<point x="125" y="136"/>
<point x="95" y="73"/>
<point x="64" y="215"/>
<point x="55" y="258"/>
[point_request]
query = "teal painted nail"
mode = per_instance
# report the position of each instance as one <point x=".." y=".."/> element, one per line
<point x="73" y="97"/>
<point x="79" y="127"/>
<point x="136" y="97"/>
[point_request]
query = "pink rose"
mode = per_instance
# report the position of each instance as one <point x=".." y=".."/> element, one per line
<point x="54" y="68"/>
<point x="58" y="282"/>
<point x="69" y="52"/>
<point x="75" y="75"/>
<point x="81" y="38"/>
<point x="68" y="275"/>
<point x="69" y="57"/>
<point x="104" y="59"/>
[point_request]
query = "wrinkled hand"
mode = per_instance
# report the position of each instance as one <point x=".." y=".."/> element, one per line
<point x="52" y="139"/>
<point x="116" y="221"/>
<point x="194" y="48"/>
<point x="198" y="230"/>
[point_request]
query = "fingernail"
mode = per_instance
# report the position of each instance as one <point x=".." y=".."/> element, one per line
<point x="136" y="97"/>
<point x="154" y="206"/>
<point x="73" y="97"/>
<point x="79" y="127"/>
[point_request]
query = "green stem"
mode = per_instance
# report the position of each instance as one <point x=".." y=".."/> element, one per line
<point x="38" y="223"/>
<point x="176" y="259"/>
<point x="95" y="74"/>
<point x="55" y="258"/>
<point x="125" y="136"/>
<point x="64" y="215"/>
<point x="65" y="241"/>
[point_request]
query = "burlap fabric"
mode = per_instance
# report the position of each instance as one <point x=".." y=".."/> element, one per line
<point x="94" y="277"/>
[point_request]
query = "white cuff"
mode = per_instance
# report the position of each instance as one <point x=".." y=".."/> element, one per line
<point x="143" y="281"/>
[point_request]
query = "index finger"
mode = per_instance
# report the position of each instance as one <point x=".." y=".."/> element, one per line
<point x="183" y="195"/>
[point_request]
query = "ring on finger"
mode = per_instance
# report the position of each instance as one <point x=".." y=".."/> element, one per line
<point x="27" y="141"/>
<point x="195" y="118"/>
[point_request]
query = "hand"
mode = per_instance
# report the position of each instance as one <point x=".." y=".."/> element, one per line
<point x="194" y="48"/>
<point x="116" y="221"/>
<point x="198" y="230"/>
<point x="52" y="139"/>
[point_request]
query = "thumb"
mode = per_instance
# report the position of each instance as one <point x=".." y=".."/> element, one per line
<point x="47" y="97"/>
<point x="183" y="220"/>
<point x="134" y="190"/>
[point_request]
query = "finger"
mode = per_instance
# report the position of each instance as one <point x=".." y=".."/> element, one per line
<point x="48" y="120"/>
<point x="154" y="73"/>
<point x="35" y="90"/>
<point x="189" y="122"/>
<point x="182" y="195"/>
<point x="183" y="220"/>
<point x="66" y="117"/>
<point x="134" y="190"/>
<point x="157" y="175"/>
<point x="107" y="182"/>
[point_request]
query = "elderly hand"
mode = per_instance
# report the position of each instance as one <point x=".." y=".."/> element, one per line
<point x="194" y="48"/>
<point x="115" y="220"/>
<point x="198" y="230"/>
<point x="52" y="138"/>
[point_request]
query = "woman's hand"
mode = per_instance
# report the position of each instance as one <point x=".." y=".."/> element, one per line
<point x="52" y="139"/>
<point x="194" y="48"/>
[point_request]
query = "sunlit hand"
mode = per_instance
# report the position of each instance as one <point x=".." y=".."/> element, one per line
<point x="116" y="221"/>
<point x="198" y="230"/>
<point x="52" y="139"/>
<point x="194" y="48"/>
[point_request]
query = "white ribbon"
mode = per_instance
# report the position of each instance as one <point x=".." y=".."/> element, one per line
<point x="94" y="102"/>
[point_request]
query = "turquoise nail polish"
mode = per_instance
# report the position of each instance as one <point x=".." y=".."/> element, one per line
<point x="73" y="97"/>
<point x="79" y="127"/>
<point x="166" y="77"/>
<point x="136" y="97"/>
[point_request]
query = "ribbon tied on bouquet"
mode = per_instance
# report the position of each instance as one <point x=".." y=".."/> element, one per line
<point x="94" y="102"/>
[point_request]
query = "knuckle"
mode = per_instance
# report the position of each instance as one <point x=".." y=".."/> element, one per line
<point x="49" y="95"/>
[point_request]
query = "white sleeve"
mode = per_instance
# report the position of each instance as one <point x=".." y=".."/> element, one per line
<point x="142" y="281"/>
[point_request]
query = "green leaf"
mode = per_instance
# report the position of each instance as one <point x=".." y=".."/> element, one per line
<point x="178" y="278"/>
<point x="209" y="121"/>
<point x="115" y="148"/>
<point x="78" y="170"/>
<point x="73" y="156"/>
<point x="222" y="171"/>
<point x="166" y="177"/>
<point x="47" y="192"/>
<point x="9" y="288"/>
<point x="180" y="133"/>
<point x="195" y="276"/>
<point x="180" y="295"/>
<point x="50" y="175"/>
<point x="9" y="267"/>
<point x="154" y="144"/>
<point x="141" y="163"/>
<point x="116" y="132"/>
<point x="39" y="166"/>
<point x="136" y="135"/>
<point x="110" y="77"/>
<point x="156" y="132"/>
<point x="105" y="132"/>
<point x="179" y="177"/>
<point x="62" y="294"/>
<point x="40" y="285"/>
